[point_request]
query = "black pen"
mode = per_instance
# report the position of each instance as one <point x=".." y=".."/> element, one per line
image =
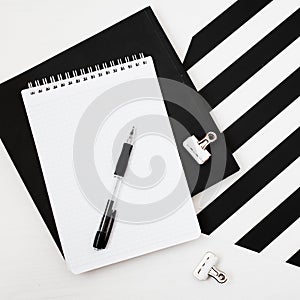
<point x="109" y="215"/>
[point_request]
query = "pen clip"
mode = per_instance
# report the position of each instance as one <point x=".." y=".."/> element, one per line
<point x="109" y="227"/>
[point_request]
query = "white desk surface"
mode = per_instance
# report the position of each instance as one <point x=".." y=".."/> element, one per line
<point x="31" y="266"/>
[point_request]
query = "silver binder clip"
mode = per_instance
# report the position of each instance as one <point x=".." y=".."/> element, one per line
<point x="207" y="268"/>
<point x="198" y="148"/>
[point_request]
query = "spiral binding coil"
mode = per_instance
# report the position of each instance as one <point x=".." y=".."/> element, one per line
<point x="90" y="73"/>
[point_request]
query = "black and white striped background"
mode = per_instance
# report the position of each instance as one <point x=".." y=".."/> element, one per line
<point x="246" y="64"/>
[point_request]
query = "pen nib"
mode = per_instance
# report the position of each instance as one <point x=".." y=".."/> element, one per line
<point x="131" y="136"/>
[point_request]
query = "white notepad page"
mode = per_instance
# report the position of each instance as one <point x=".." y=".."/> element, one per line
<point x="54" y="115"/>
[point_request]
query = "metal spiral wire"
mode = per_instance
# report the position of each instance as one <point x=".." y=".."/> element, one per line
<point x="90" y="72"/>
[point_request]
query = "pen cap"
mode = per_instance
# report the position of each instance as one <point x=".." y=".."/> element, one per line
<point x="102" y="235"/>
<point x="99" y="241"/>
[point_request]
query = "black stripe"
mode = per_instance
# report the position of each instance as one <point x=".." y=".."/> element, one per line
<point x="220" y="28"/>
<point x="263" y="111"/>
<point x="224" y="206"/>
<point x="275" y="223"/>
<point x="252" y="61"/>
<point x="295" y="259"/>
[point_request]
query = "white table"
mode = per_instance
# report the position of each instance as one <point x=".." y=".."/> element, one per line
<point x="31" y="267"/>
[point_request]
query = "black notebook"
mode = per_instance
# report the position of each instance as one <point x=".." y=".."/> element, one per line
<point x="138" y="33"/>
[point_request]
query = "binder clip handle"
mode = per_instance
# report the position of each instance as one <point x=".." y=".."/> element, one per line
<point x="220" y="276"/>
<point x="209" y="138"/>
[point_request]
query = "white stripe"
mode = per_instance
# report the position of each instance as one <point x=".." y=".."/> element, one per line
<point x="259" y="85"/>
<point x="261" y="204"/>
<point x="255" y="149"/>
<point x="285" y="245"/>
<point x="241" y="41"/>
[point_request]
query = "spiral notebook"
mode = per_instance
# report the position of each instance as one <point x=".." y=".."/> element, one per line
<point x="156" y="209"/>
